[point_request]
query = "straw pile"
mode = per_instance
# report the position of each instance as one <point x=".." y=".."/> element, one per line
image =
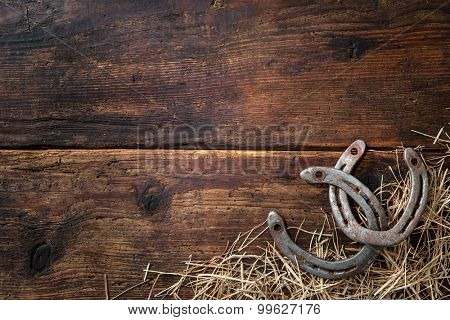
<point x="415" y="269"/>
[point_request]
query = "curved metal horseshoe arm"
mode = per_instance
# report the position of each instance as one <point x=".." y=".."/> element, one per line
<point x="350" y="185"/>
<point x="312" y="264"/>
<point x="354" y="151"/>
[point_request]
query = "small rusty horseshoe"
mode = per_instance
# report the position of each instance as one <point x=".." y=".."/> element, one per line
<point x="320" y="267"/>
<point x="312" y="264"/>
<point x="353" y="187"/>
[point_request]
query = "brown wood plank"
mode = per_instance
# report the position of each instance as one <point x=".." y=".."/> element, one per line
<point x="113" y="211"/>
<point x="102" y="74"/>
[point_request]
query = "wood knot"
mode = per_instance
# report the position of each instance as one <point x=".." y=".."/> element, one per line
<point x="153" y="197"/>
<point x="347" y="48"/>
<point x="40" y="257"/>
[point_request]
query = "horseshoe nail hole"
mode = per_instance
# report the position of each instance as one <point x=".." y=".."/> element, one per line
<point x="414" y="161"/>
<point x="277" y="227"/>
<point x="354" y="151"/>
<point x="318" y="175"/>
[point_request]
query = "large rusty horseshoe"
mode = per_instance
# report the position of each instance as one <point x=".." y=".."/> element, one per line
<point x="353" y="187"/>
<point x="320" y="267"/>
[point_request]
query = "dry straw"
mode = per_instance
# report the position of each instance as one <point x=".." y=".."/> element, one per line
<point x="415" y="269"/>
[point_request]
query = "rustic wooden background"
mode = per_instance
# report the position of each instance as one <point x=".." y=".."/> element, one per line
<point x="85" y="85"/>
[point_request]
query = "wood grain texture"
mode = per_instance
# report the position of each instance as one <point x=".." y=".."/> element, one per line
<point x="99" y="83"/>
<point x="68" y="217"/>
<point x="102" y="74"/>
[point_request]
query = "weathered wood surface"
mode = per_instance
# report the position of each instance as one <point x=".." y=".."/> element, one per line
<point x="99" y="74"/>
<point x="77" y="77"/>
<point x="112" y="212"/>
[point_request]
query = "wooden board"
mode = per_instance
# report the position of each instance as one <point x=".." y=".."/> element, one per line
<point x="123" y="124"/>
<point x="112" y="212"/>
<point x="101" y="74"/>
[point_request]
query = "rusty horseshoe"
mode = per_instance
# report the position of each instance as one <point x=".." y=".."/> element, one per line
<point x="320" y="267"/>
<point x="362" y="195"/>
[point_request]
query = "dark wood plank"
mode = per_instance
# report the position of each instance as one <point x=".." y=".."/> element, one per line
<point x="102" y="74"/>
<point x="89" y="213"/>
